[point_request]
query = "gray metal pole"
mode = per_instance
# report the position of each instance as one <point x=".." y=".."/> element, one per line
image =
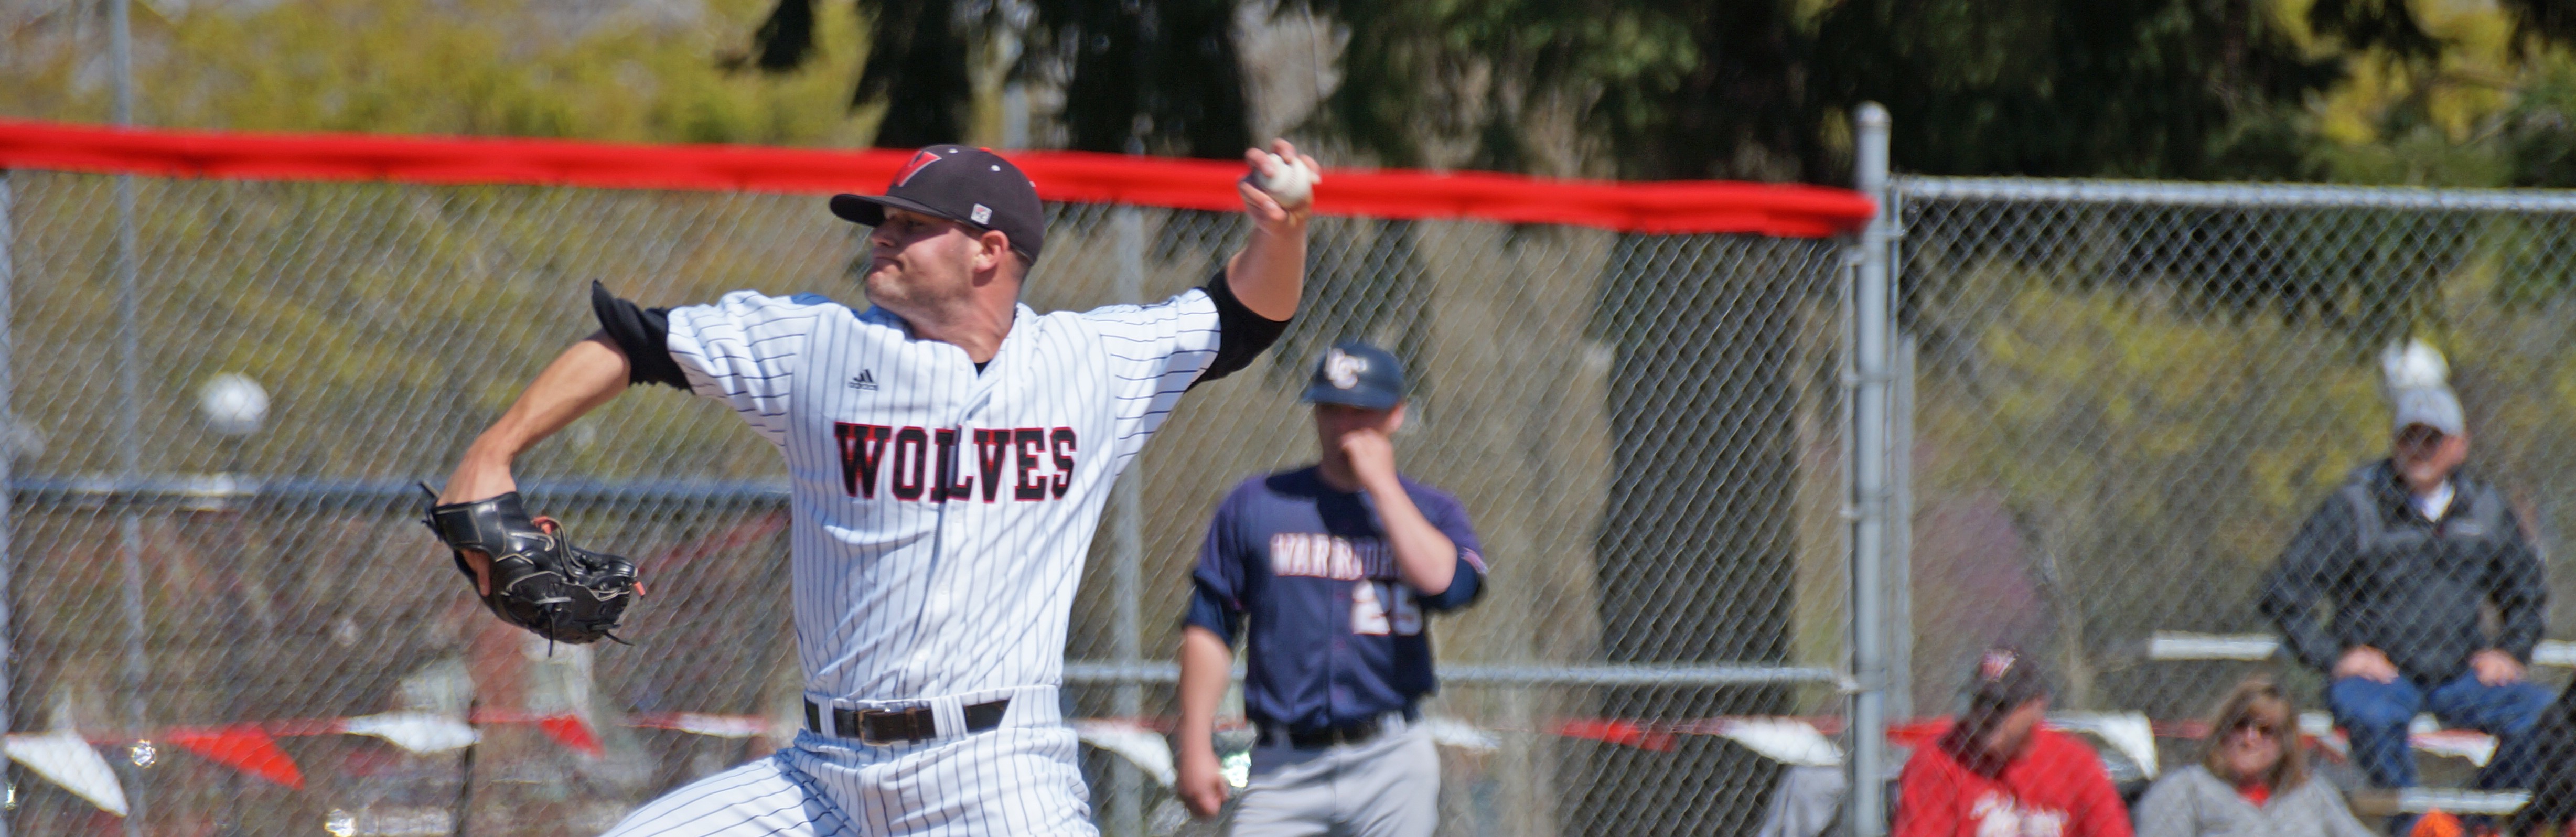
<point x="1126" y="796"/>
<point x="8" y="462"/>
<point x="1900" y="516"/>
<point x="129" y="419"/>
<point x="1869" y="453"/>
<point x="1900" y="492"/>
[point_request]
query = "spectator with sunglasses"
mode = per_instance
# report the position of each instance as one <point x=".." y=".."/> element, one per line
<point x="2408" y="553"/>
<point x="2252" y="781"/>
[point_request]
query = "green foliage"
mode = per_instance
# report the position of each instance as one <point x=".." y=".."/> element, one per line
<point x="2152" y="448"/>
<point x="917" y="69"/>
<point x="446" y="67"/>
<point x="2143" y="451"/>
<point x="2372" y="91"/>
<point x="1445" y="84"/>
<point x="1160" y="73"/>
<point x="2236" y="89"/>
<point x="2397" y="27"/>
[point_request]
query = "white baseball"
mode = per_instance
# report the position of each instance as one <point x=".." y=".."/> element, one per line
<point x="234" y="405"/>
<point x="1293" y="186"/>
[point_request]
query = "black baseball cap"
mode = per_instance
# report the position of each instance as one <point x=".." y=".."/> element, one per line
<point x="971" y="186"/>
<point x="1357" y="374"/>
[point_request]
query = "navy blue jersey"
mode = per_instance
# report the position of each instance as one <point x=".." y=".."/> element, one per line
<point x="1336" y="635"/>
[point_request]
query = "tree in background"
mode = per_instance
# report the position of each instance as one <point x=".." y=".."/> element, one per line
<point x="2136" y="88"/>
<point x="915" y="47"/>
<point x="1158" y="75"/>
<point x="2379" y="91"/>
<point x="2204" y="89"/>
<point x="1149" y="75"/>
<point x="2200" y="89"/>
<point x="476" y="67"/>
<point x="2449" y="94"/>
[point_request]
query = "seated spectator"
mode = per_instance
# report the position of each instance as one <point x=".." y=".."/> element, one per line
<point x="2252" y="780"/>
<point x="1996" y="773"/>
<point x="2408" y="553"/>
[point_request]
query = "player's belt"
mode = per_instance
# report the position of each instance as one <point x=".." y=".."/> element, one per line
<point x="1357" y="732"/>
<point x="880" y="727"/>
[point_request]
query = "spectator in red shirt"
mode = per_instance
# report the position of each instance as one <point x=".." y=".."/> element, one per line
<point x="1997" y="773"/>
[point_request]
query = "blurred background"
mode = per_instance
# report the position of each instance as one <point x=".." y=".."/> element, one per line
<point x="2430" y="92"/>
<point x="2110" y="408"/>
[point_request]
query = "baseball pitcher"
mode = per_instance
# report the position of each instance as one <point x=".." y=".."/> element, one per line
<point x="949" y="451"/>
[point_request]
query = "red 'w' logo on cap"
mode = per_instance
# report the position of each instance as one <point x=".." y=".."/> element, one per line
<point x="913" y="167"/>
<point x="1995" y="665"/>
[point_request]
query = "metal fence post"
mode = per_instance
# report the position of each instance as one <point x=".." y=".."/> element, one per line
<point x="1869" y="486"/>
<point x="1899" y="622"/>
<point x="1126" y="808"/>
<point x="8" y="459"/>
<point x="129" y="425"/>
<point x="1900" y="512"/>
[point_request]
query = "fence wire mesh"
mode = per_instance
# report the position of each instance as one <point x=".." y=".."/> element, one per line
<point x="2127" y="398"/>
<point x="1648" y="430"/>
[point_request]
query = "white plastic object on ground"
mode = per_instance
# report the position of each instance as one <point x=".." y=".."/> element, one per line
<point x="1140" y="746"/>
<point x="66" y="759"/>
<point x="2128" y="732"/>
<point x="1783" y="740"/>
<point x="419" y="732"/>
<point x="1451" y="732"/>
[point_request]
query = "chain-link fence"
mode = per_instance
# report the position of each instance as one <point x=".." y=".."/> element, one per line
<point x="2120" y="399"/>
<point x="2127" y="397"/>
<point x="1648" y="431"/>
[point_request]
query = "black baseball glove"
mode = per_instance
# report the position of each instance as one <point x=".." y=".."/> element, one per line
<point x="540" y="581"/>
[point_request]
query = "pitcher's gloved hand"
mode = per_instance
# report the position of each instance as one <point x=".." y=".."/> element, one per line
<point x="539" y="580"/>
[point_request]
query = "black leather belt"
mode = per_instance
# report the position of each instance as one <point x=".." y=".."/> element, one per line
<point x="880" y="727"/>
<point x="1351" y="733"/>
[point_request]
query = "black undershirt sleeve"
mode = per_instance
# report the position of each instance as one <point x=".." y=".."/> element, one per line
<point x="1241" y="334"/>
<point x="644" y="334"/>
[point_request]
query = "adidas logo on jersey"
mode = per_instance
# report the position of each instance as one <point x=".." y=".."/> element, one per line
<point x="865" y="380"/>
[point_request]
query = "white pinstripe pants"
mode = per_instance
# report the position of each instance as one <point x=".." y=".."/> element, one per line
<point x="1008" y="780"/>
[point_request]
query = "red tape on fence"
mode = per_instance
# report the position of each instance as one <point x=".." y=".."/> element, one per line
<point x="243" y="747"/>
<point x="1786" y="210"/>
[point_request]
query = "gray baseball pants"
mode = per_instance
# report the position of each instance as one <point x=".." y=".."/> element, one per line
<point x="1388" y="786"/>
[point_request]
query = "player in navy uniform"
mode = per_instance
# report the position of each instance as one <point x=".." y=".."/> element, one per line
<point x="1333" y="566"/>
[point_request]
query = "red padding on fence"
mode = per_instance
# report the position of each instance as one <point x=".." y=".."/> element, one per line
<point x="1614" y="731"/>
<point x="568" y="730"/>
<point x="243" y="747"/>
<point x="1070" y="176"/>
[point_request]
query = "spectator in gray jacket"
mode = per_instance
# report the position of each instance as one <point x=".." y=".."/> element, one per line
<point x="2407" y="555"/>
<point x="2252" y="781"/>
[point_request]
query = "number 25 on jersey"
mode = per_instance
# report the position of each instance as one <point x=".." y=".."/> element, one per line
<point x="1369" y="612"/>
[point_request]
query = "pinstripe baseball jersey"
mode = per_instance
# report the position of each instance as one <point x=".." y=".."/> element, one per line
<point x="941" y="512"/>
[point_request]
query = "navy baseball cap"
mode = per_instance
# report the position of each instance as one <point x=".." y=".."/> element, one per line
<point x="2005" y="678"/>
<point x="1357" y="374"/>
<point x="971" y="186"/>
